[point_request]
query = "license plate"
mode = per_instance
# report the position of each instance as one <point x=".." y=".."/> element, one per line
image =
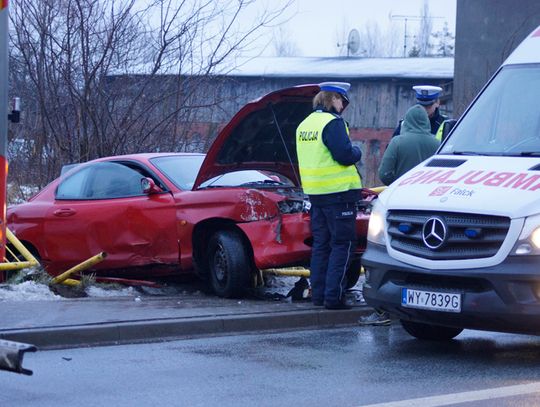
<point x="431" y="300"/>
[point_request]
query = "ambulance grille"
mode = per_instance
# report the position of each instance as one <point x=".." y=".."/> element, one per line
<point x="468" y="236"/>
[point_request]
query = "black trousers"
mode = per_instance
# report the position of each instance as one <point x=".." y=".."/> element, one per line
<point x="334" y="238"/>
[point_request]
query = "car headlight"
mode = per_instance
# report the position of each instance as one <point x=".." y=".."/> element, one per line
<point x="529" y="239"/>
<point x="377" y="223"/>
<point x="288" y="206"/>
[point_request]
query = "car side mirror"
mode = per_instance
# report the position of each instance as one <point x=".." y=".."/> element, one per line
<point x="149" y="187"/>
<point x="448" y="125"/>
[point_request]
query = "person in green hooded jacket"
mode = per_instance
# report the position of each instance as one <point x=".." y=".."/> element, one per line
<point x="410" y="148"/>
<point x="405" y="151"/>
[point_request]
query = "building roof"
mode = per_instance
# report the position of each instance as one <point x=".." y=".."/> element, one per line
<point x="344" y="67"/>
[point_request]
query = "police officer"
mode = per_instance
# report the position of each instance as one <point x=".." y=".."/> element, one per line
<point x="428" y="97"/>
<point x="326" y="161"/>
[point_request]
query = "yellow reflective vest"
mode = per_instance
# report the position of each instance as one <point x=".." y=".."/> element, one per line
<point x="438" y="136"/>
<point x="319" y="172"/>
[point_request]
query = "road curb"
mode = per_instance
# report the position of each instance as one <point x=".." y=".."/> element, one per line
<point x="101" y="334"/>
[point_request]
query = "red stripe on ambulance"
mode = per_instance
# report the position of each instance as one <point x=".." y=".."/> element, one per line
<point x="504" y="179"/>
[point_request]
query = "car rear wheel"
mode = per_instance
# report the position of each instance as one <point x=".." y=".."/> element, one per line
<point x="353" y="273"/>
<point x="228" y="263"/>
<point x="430" y="332"/>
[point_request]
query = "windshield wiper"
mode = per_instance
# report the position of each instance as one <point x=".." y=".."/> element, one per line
<point x="476" y="153"/>
<point x="264" y="182"/>
<point x="529" y="153"/>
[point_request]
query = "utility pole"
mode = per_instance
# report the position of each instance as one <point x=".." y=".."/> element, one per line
<point x="406" y="18"/>
<point x="4" y="35"/>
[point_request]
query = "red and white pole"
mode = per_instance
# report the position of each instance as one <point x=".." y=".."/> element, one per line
<point x="4" y="69"/>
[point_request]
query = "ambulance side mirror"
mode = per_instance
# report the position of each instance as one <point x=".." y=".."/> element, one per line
<point x="448" y="125"/>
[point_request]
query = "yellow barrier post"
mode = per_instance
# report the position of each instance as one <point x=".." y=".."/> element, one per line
<point x="31" y="261"/>
<point x="287" y="272"/>
<point x="378" y="190"/>
<point x="79" y="267"/>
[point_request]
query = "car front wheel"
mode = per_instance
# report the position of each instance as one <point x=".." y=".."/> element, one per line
<point x="229" y="265"/>
<point x="430" y="332"/>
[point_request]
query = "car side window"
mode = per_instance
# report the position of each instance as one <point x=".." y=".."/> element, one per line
<point x="73" y="186"/>
<point x="104" y="180"/>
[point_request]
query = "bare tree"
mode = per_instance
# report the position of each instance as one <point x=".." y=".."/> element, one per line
<point x="104" y="77"/>
<point x="370" y="39"/>
<point x="423" y="38"/>
<point x="283" y="45"/>
<point x="444" y="46"/>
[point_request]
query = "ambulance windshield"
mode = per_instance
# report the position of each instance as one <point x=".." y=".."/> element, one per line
<point x="505" y="119"/>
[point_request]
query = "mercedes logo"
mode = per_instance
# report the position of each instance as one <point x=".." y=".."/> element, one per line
<point x="434" y="233"/>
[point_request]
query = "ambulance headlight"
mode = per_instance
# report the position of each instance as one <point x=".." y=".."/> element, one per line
<point x="529" y="240"/>
<point x="377" y="224"/>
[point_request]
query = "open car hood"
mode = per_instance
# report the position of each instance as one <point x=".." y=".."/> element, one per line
<point x="261" y="136"/>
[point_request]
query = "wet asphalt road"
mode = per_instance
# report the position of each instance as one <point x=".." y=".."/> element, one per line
<point x="342" y="367"/>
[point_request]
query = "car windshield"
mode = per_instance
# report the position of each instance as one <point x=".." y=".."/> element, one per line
<point x="181" y="170"/>
<point x="504" y="120"/>
<point x="245" y="178"/>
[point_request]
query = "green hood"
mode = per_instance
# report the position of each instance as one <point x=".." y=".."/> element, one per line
<point x="416" y="121"/>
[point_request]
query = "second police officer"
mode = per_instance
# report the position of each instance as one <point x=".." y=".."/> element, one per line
<point x="428" y="97"/>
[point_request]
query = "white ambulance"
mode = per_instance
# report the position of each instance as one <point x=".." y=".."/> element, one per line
<point x="455" y="242"/>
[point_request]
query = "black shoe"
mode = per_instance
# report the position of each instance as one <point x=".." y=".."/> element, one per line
<point x="337" y="305"/>
<point x="318" y="303"/>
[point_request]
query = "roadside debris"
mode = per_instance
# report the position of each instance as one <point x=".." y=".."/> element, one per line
<point x="11" y="356"/>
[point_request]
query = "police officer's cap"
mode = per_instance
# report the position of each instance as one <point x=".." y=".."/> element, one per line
<point x="339" y="87"/>
<point x="427" y="94"/>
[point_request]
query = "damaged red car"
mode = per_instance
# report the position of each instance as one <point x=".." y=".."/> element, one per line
<point x="225" y="215"/>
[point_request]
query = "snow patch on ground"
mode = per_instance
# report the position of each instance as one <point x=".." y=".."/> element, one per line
<point x="32" y="291"/>
<point x="27" y="291"/>
<point x="280" y="284"/>
<point x="94" y="291"/>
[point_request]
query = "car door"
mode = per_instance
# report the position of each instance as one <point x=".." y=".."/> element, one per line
<point x="102" y="207"/>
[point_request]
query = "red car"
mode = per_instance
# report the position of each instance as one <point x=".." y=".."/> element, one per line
<point x="226" y="215"/>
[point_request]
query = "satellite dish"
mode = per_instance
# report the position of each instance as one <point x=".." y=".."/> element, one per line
<point x="353" y="42"/>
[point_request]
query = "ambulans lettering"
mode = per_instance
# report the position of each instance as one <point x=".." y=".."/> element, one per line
<point x="537" y="186"/>
<point x="512" y="180"/>
<point x="443" y="178"/>
<point x="478" y="177"/>
<point x="498" y="179"/>
<point x="520" y="181"/>
<point x="411" y="178"/>
<point x="460" y="178"/>
<point x="309" y="135"/>
<point x="426" y="178"/>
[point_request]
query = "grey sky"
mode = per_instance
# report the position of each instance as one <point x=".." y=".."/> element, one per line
<point x="316" y="25"/>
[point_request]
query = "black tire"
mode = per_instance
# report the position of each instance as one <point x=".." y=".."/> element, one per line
<point x="20" y="257"/>
<point x="430" y="332"/>
<point x="353" y="273"/>
<point x="228" y="264"/>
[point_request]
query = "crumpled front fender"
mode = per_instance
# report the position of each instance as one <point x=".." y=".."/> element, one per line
<point x="281" y="241"/>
